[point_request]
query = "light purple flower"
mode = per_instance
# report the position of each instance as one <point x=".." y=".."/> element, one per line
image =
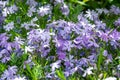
<point x="32" y="23"/>
<point x="58" y="1"/>
<point x="65" y="9"/>
<point x="44" y="10"/>
<point x="117" y="22"/>
<point x="55" y="65"/>
<point x="9" y="26"/>
<point x="105" y="53"/>
<point x="115" y="10"/>
<point x="100" y="25"/>
<point x="5" y="59"/>
<point x="91" y="14"/>
<point x="1" y="19"/>
<point x="9" y="10"/>
<point x="104" y="36"/>
<point x="31" y="3"/>
<point x="61" y="55"/>
<point x="83" y="62"/>
<point x="10" y="73"/>
<point x="29" y="62"/>
<point x="31" y="11"/>
<point x="67" y="45"/>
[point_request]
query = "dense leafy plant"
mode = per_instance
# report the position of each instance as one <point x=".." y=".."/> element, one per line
<point x="59" y="40"/>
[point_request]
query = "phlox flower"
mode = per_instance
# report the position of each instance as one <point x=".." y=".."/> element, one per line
<point x="55" y="65"/>
<point x="31" y="3"/>
<point x="44" y="10"/>
<point x="65" y="9"/>
<point x="9" y="26"/>
<point x="10" y="73"/>
<point x="19" y="78"/>
<point x="110" y="78"/>
<point x="88" y="71"/>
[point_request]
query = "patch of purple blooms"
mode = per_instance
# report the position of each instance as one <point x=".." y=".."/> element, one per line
<point x="11" y="74"/>
<point x="70" y="46"/>
<point x="7" y="47"/>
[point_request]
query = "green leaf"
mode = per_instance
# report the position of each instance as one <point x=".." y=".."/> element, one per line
<point x="2" y="68"/>
<point x="78" y="2"/>
<point x="60" y="75"/>
<point x="13" y="58"/>
<point x="100" y="58"/>
<point x="38" y="72"/>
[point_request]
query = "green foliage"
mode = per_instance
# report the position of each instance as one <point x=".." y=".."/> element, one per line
<point x="2" y="68"/>
<point x="35" y="73"/>
<point x="100" y="59"/>
<point x="60" y="74"/>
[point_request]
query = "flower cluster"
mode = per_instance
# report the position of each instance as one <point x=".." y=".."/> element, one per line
<point x="63" y="48"/>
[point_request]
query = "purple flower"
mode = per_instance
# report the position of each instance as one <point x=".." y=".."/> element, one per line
<point x="32" y="23"/>
<point x="58" y="1"/>
<point x="92" y="15"/>
<point x="10" y="73"/>
<point x="59" y="42"/>
<point x="117" y="22"/>
<point x="29" y="62"/>
<point x="9" y="26"/>
<point x="9" y="10"/>
<point x="67" y="45"/>
<point x="109" y="59"/>
<point x="115" y="10"/>
<point x="1" y="19"/>
<point x="55" y="65"/>
<point x="105" y="53"/>
<point x="69" y="62"/>
<point x="31" y="11"/>
<point x="65" y="9"/>
<point x="100" y="25"/>
<point x="83" y="62"/>
<point x="45" y="49"/>
<point x="104" y="36"/>
<point x="61" y="55"/>
<point x="5" y="59"/>
<point x="102" y="10"/>
<point x="31" y="3"/>
<point x="44" y="10"/>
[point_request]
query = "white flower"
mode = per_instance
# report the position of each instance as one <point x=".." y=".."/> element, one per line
<point x="3" y="3"/>
<point x="28" y="49"/>
<point x="19" y="78"/>
<point x="55" y="65"/>
<point x="5" y="12"/>
<point x="118" y="67"/>
<point x="110" y="78"/>
<point x="88" y="71"/>
<point x="44" y="10"/>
